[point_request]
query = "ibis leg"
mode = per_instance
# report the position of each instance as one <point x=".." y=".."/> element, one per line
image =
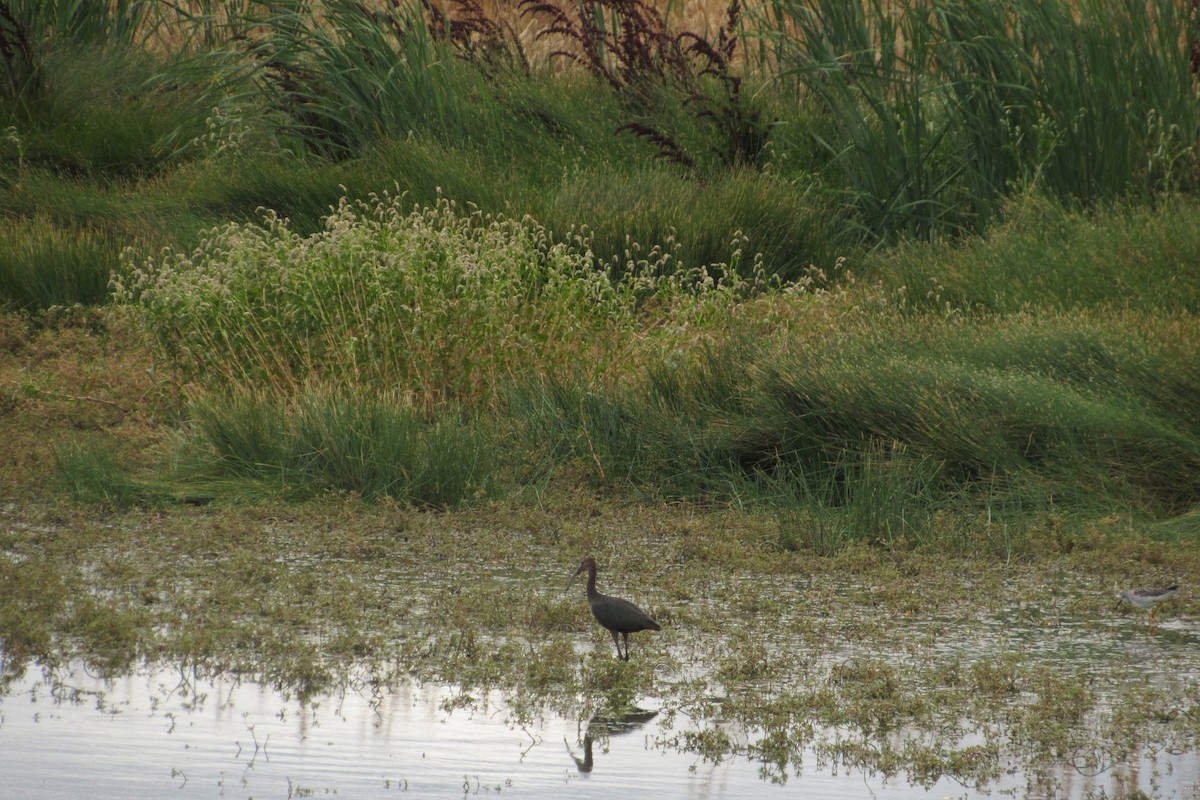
<point x="617" y="642"/>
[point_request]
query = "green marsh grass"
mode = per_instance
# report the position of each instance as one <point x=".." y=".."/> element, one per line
<point x="876" y="495"/>
<point x="674" y="431"/>
<point x="711" y="328"/>
<point x="935" y="141"/>
<point x="870" y="434"/>
<point x="1043" y="255"/>
<point x="322" y="441"/>
<point x="43" y="265"/>
<point x="93" y="472"/>
<point x="856" y="413"/>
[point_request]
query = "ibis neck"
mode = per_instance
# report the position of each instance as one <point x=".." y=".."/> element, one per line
<point x="591" y="584"/>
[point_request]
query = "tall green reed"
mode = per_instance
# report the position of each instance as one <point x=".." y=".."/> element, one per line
<point x="631" y="47"/>
<point x="1092" y="100"/>
<point x="870" y="67"/>
<point x="936" y="109"/>
<point x="98" y="87"/>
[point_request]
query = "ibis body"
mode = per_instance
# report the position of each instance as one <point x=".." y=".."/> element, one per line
<point x="618" y="616"/>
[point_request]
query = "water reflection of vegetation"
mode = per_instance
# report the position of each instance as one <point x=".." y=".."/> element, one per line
<point x="882" y="661"/>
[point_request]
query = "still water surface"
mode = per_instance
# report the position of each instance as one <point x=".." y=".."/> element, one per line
<point x="168" y="732"/>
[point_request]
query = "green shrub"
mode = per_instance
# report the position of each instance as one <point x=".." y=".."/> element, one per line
<point x="434" y="304"/>
<point x="788" y="222"/>
<point x="29" y="29"/>
<point x="348" y="75"/>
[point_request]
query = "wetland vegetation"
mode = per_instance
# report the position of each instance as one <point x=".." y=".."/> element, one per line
<point x="859" y="343"/>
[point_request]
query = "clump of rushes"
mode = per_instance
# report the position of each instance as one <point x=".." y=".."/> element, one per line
<point x="435" y="304"/>
<point x="43" y="264"/>
<point x="326" y="439"/>
<point x="345" y="76"/>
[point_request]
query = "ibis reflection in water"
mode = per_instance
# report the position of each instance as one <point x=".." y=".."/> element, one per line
<point x="617" y="615"/>
<point x="603" y="726"/>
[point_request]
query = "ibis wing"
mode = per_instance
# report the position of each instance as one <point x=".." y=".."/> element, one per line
<point x="621" y="615"/>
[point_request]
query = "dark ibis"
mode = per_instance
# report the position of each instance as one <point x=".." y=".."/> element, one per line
<point x="617" y="615"/>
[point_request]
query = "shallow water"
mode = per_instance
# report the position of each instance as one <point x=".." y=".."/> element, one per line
<point x="170" y="732"/>
<point x="836" y="668"/>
